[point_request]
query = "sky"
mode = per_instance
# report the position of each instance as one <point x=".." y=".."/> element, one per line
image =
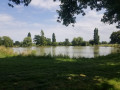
<point x="41" y="15"/>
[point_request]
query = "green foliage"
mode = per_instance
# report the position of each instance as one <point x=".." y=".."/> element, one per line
<point x="29" y="34"/>
<point x="91" y="42"/>
<point x="115" y="37"/>
<point x="42" y="33"/>
<point x="60" y="43"/>
<point x="42" y="39"/>
<point x="53" y="38"/>
<point x="48" y="40"/>
<point x="27" y="42"/>
<point x="7" y="41"/>
<point x="104" y="42"/>
<point x="37" y="39"/>
<point x="77" y="41"/>
<point x="66" y="42"/>
<point x="70" y="8"/>
<point x="17" y="43"/>
<point x="96" y="36"/>
<point x="54" y="43"/>
<point x="84" y="43"/>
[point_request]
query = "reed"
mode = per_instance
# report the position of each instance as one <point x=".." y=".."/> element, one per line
<point x="6" y="52"/>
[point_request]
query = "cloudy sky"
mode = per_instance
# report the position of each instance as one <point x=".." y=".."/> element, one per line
<point x="41" y="14"/>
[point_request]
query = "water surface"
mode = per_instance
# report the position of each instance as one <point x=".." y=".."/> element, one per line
<point x="71" y="51"/>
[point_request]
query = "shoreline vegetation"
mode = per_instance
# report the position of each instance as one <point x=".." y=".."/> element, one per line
<point x="104" y="45"/>
<point x="110" y="45"/>
<point x="41" y="40"/>
<point x="9" y="52"/>
<point x="26" y="71"/>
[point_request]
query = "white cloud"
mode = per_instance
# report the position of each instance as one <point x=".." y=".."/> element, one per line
<point x="46" y="4"/>
<point x="84" y="27"/>
<point x="92" y="20"/>
<point x="5" y="18"/>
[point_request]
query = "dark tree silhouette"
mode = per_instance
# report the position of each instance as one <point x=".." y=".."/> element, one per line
<point x="66" y="42"/>
<point x="37" y="39"/>
<point x="115" y="37"/>
<point x="53" y="38"/>
<point x="18" y="2"/>
<point x="29" y="34"/>
<point x="96" y="36"/>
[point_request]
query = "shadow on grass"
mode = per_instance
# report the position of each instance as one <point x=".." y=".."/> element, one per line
<point x="47" y="73"/>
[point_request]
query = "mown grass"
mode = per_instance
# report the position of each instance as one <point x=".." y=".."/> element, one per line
<point x="59" y="73"/>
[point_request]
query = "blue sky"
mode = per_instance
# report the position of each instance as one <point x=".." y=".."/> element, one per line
<point x="41" y="14"/>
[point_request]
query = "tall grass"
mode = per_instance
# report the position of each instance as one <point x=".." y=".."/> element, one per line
<point x="28" y="53"/>
<point x="6" y="52"/>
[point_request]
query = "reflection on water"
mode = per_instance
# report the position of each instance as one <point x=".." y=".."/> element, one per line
<point x="71" y="51"/>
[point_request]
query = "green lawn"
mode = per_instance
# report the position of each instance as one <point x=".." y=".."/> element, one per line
<point x="46" y="73"/>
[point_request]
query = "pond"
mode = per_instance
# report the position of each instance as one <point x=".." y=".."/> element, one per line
<point x="71" y="51"/>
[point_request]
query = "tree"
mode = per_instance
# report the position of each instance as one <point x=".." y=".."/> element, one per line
<point x="77" y="41"/>
<point x="84" y="43"/>
<point x="66" y="43"/>
<point x="37" y="39"/>
<point x="17" y="43"/>
<point x="91" y="42"/>
<point x="54" y="40"/>
<point x="7" y="41"/>
<point x="42" y="39"/>
<point x="29" y="34"/>
<point x="104" y="42"/>
<point x="74" y="42"/>
<point x="61" y="43"/>
<point x="18" y="2"/>
<point x="96" y="36"/>
<point x="54" y="43"/>
<point x="70" y="8"/>
<point x="53" y="37"/>
<point x="48" y="40"/>
<point x="27" y="42"/>
<point x="115" y="37"/>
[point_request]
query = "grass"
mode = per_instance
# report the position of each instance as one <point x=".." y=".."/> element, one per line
<point x="110" y="45"/>
<point x="58" y="73"/>
<point x="6" y="52"/>
<point x="29" y="72"/>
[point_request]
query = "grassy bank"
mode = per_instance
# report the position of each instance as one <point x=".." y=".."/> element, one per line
<point x="59" y="73"/>
<point x="110" y="45"/>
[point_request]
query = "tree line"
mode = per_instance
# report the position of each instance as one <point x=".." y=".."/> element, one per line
<point x="41" y="40"/>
